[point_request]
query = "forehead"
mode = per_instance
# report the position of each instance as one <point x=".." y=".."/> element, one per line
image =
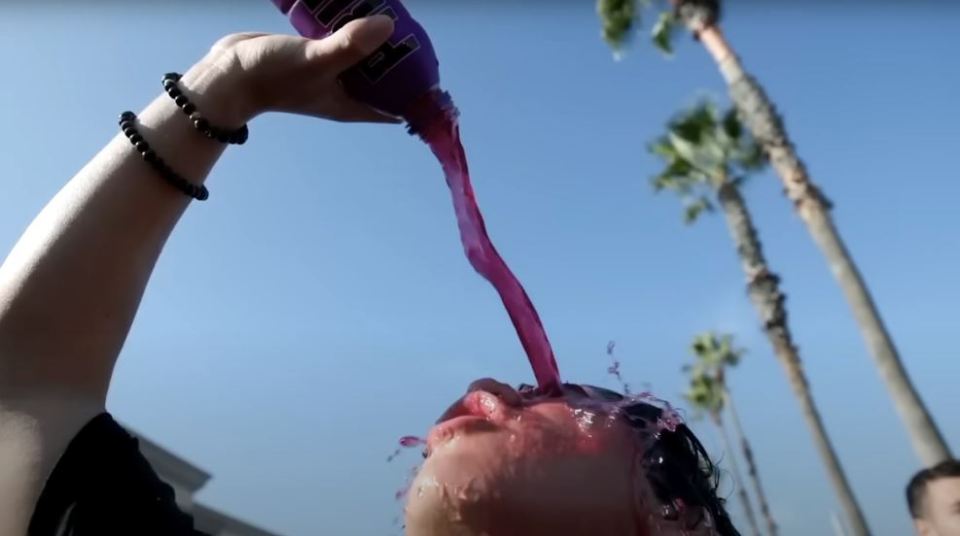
<point x="943" y="491"/>
<point x="941" y="495"/>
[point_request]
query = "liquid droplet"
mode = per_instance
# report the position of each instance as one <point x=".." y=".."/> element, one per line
<point x="468" y="493"/>
<point x="402" y="492"/>
<point x="614" y="368"/>
<point x="406" y="442"/>
<point x="411" y="441"/>
<point x="584" y="418"/>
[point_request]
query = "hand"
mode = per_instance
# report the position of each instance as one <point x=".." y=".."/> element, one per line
<point x="247" y="74"/>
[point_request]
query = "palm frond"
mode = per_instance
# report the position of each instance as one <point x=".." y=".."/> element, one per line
<point x="618" y="19"/>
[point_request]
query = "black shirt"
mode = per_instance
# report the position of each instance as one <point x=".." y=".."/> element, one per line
<point x="103" y="486"/>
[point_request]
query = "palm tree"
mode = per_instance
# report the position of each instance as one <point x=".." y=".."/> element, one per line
<point x="707" y="159"/>
<point x="701" y="18"/>
<point x="714" y="354"/>
<point x="706" y="395"/>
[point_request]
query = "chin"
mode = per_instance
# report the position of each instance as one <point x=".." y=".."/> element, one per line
<point x="478" y="485"/>
<point x="436" y="500"/>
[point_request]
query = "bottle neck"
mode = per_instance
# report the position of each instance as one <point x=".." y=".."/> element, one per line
<point x="432" y="107"/>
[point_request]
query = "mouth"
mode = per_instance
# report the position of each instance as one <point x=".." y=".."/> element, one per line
<point x="478" y="411"/>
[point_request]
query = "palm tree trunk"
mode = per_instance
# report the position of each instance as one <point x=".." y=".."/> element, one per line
<point x="763" y="287"/>
<point x="760" y="116"/>
<point x="737" y="481"/>
<point x="751" y="465"/>
<point x="837" y="525"/>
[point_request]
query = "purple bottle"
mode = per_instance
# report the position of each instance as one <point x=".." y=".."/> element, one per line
<point x="395" y="78"/>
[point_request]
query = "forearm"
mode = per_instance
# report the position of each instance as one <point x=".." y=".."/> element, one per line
<point x="70" y="288"/>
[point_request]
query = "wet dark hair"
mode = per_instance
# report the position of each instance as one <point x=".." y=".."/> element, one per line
<point x="918" y="484"/>
<point x="677" y="465"/>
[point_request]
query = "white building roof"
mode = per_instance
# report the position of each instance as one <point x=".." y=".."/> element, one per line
<point x="187" y="479"/>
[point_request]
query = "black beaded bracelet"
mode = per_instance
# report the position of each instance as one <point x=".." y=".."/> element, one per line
<point x="237" y="137"/>
<point x="128" y="126"/>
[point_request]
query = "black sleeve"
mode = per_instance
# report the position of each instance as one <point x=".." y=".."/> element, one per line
<point x="103" y="485"/>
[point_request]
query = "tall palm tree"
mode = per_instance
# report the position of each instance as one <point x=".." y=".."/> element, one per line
<point x="706" y="395"/>
<point x="714" y="355"/>
<point x="701" y="18"/>
<point x="707" y="159"/>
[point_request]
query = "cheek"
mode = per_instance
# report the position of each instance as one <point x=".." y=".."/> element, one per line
<point x="543" y="496"/>
<point x="549" y="473"/>
<point x="562" y="430"/>
<point x="463" y="468"/>
<point x="458" y="487"/>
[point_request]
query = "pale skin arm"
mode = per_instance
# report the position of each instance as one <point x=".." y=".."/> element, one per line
<point x="70" y="288"/>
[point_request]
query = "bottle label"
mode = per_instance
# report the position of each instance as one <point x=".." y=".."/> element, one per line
<point x="334" y="14"/>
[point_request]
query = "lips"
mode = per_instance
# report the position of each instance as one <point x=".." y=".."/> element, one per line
<point x="477" y="411"/>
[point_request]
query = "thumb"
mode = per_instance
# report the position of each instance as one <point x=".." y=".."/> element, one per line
<point x="352" y="43"/>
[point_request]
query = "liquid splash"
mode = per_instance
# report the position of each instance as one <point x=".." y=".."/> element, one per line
<point x="669" y="418"/>
<point x="412" y="441"/>
<point x="403" y="491"/>
<point x="435" y="119"/>
<point x="406" y="442"/>
<point x="614" y="368"/>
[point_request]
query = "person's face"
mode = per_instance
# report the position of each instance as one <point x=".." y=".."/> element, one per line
<point x="502" y="464"/>
<point x="941" y="508"/>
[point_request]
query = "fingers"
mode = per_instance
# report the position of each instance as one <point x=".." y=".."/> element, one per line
<point x="349" y="110"/>
<point x="352" y="111"/>
<point x="371" y="115"/>
<point x="355" y="41"/>
<point x="505" y="392"/>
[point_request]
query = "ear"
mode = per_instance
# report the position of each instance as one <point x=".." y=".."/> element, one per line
<point x="923" y="528"/>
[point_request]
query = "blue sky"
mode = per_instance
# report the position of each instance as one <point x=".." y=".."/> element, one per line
<point x="319" y="307"/>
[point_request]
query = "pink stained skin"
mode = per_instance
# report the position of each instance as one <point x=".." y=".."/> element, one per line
<point x="441" y="132"/>
<point x="504" y="465"/>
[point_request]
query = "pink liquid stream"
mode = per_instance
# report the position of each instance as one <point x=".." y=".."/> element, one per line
<point x="434" y="119"/>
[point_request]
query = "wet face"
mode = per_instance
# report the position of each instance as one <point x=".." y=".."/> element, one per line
<point x="502" y="463"/>
<point x="941" y="508"/>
